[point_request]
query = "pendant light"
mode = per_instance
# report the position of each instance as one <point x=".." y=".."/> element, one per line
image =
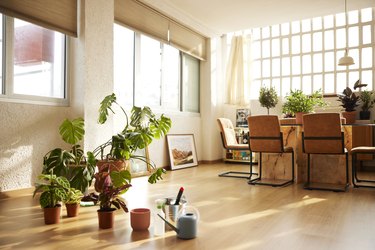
<point x="346" y="60"/>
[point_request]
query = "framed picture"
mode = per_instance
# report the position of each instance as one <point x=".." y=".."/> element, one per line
<point x="241" y="117"/>
<point x="140" y="167"/>
<point x="182" y="153"/>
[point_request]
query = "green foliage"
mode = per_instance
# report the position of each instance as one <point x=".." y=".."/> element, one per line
<point x="73" y="196"/>
<point x="55" y="189"/>
<point x="268" y="98"/>
<point x="349" y="101"/>
<point x="72" y="131"/>
<point x="297" y="101"/>
<point x="368" y="99"/>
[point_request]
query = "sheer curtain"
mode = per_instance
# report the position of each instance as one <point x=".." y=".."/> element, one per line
<point x="238" y="76"/>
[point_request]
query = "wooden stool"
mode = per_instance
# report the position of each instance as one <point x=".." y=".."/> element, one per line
<point x="354" y="152"/>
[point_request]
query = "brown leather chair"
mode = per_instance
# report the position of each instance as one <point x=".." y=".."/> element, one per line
<point x="322" y="134"/>
<point x="265" y="137"/>
<point x="360" y="151"/>
<point x="228" y="138"/>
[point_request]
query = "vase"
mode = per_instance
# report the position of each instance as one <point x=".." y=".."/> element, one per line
<point x="140" y="218"/>
<point x="106" y="218"/>
<point x="349" y="116"/>
<point x="72" y="209"/>
<point x="52" y="215"/>
<point x="364" y="115"/>
<point x="299" y="119"/>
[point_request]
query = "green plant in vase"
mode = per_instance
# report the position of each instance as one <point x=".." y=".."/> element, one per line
<point x="367" y="99"/>
<point x="349" y="101"/>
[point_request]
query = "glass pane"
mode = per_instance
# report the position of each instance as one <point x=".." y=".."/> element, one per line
<point x="340" y="19"/>
<point x="366" y="15"/>
<point x="306" y="85"/>
<point x="276" y="67"/>
<point x="266" y="48"/>
<point x="306" y="25"/>
<point x="317" y="41"/>
<point x="353" y="17"/>
<point x="285" y="29"/>
<point x="285" y="46"/>
<point x="39" y="56"/>
<point x="275" y="30"/>
<point x="255" y="49"/>
<point x="353" y="77"/>
<point x="296" y="44"/>
<point x="266" y="83"/>
<point x="355" y="54"/>
<point x="1" y="55"/>
<point x="285" y="88"/>
<point x="366" y="32"/>
<point x="367" y="57"/>
<point x="367" y="79"/>
<point x="317" y="23"/>
<point x="265" y="32"/>
<point x="295" y="27"/>
<point x="256" y="33"/>
<point x="266" y="68"/>
<point x="254" y="90"/>
<point x="328" y="21"/>
<point x="306" y="64"/>
<point x="171" y="83"/>
<point x="353" y="36"/>
<point x="296" y="83"/>
<point x="306" y="43"/>
<point x="340" y="38"/>
<point x="329" y="61"/>
<point x="276" y="47"/>
<point x="317" y="82"/>
<point x="317" y="63"/>
<point x="256" y="69"/>
<point x="296" y="66"/>
<point x="123" y="51"/>
<point x="276" y="84"/>
<point x="148" y="85"/>
<point x="329" y="84"/>
<point x="339" y="54"/>
<point x="328" y="40"/>
<point x="190" y="83"/>
<point x="285" y="66"/>
<point x="341" y="82"/>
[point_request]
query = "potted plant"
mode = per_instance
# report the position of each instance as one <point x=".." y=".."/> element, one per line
<point x="110" y="186"/>
<point x="368" y="99"/>
<point x="54" y="190"/>
<point x="72" y="163"/>
<point x="349" y="101"/>
<point x="72" y="201"/>
<point x="297" y="103"/>
<point x="139" y="131"/>
<point x="268" y="98"/>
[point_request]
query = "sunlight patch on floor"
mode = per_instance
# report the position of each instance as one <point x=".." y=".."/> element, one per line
<point x="243" y="218"/>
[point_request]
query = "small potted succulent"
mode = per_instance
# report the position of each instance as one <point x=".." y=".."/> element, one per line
<point x="297" y="103"/>
<point x="72" y="201"/>
<point x="54" y="190"/>
<point x="349" y="101"/>
<point x="110" y="186"/>
<point x="367" y="99"/>
<point x="268" y="98"/>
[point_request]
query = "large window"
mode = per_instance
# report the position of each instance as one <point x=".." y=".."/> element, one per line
<point x="304" y="54"/>
<point x="150" y="73"/>
<point x="38" y="58"/>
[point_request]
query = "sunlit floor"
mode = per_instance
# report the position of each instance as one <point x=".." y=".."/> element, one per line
<point x="233" y="215"/>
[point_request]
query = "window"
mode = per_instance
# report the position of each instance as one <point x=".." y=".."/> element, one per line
<point x="38" y="58"/>
<point x="150" y="73"/>
<point x="305" y="53"/>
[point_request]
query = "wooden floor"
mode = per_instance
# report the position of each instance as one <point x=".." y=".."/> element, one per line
<point x="233" y="215"/>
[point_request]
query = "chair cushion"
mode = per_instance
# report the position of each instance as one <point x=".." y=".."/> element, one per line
<point x="230" y="136"/>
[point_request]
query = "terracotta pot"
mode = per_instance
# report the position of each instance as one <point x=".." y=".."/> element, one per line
<point x="299" y="119"/>
<point x="106" y="218"/>
<point x="349" y="116"/>
<point x="52" y="215"/>
<point x="112" y="165"/>
<point x="72" y="209"/>
<point x="140" y="219"/>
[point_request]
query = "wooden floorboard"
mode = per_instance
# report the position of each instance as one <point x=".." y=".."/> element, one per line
<point x="233" y="215"/>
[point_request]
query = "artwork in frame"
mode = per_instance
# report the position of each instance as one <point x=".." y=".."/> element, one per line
<point x="181" y="149"/>
<point x="140" y="167"/>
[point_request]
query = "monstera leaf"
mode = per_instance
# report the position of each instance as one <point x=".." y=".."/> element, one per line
<point x="72" y="131"/>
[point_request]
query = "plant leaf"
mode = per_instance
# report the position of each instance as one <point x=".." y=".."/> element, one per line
<point x="105" y="105"/>
<point x="72" y="131"/>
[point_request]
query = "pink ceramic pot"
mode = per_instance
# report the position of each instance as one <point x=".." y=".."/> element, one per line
<point x="140" y="218"/>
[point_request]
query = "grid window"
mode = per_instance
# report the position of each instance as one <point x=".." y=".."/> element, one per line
<point x="305" y="54"/>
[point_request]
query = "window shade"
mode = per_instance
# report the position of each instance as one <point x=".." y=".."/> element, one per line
<point x="56" y="15"/>
<point x="147" y="20"/>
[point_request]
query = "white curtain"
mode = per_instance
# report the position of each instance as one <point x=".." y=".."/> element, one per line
<point x="238" y="77"/>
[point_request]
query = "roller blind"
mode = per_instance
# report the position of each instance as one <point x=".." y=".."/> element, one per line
<point x="149" y="21"/>
<point x="58" y="15"/>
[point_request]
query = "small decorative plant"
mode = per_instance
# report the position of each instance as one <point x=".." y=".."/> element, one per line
<point x="368" y="99"/>
<point x="73" y="196"/>
<point x="268" y="98"/>
<point x="297" y="102"/>
<point x="54" y="190"/>
<point x="349" y="100"/>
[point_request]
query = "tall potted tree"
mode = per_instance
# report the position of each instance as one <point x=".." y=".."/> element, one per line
<point x="349" y="101"/>
<point x="268" y="98"/>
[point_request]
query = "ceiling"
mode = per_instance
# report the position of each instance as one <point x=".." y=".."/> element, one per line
<point x="217" y="17"/>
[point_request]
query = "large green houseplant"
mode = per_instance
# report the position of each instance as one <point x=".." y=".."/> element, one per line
<point x="268" y="98"/>
<point x="298" y="103"/>
<point x="349" y="101"/>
